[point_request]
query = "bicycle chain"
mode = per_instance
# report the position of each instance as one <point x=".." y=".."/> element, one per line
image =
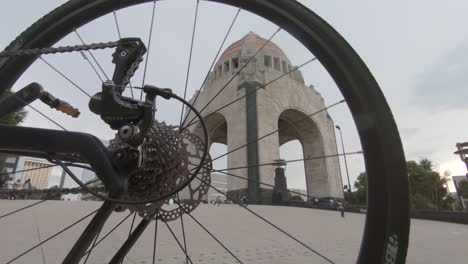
<point x="131" y="71"/>
<point x="52" y="192"/>
<point x="76" y="48"/>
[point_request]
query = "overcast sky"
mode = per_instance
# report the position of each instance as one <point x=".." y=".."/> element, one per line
<point x="417" y="50"/>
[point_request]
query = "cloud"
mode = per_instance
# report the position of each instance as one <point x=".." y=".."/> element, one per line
<point x="409" y="131"/>
<point x="445" y="85"/>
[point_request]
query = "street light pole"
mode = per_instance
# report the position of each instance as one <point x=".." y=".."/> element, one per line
<point x="345" y="162"/>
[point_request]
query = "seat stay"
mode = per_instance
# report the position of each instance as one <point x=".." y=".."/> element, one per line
<point x="39" y="142"/>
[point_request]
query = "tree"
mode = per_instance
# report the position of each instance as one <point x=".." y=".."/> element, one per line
<point x="13" y="118"/>
<point x="428" y="190"/>
<point x="360" y="195"/>
<point x="296" y="198"/>
<point x="361" y="182"/>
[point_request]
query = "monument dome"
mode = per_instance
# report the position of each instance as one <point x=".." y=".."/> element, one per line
<point x="270" y="58"/>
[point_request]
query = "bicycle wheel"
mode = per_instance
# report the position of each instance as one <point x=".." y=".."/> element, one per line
<point x="385" y="237"/>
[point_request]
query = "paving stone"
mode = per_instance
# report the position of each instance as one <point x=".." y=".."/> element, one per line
<point x="248" y="237"/>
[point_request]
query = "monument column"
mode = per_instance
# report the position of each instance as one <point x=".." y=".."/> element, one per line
<point x="253" y="189"/>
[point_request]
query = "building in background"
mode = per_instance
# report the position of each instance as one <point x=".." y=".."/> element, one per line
<point x="456" y="182"/>
<point x="38" y="171"/>
<point x="87" y="176"/>
<point x="458" y="179"/>
<point x="277" y="109"/>
<point x="67" y="182"/>
<point x="8" y="164"/>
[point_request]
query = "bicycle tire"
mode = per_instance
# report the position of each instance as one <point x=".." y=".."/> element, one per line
<point x="386" y="234"/>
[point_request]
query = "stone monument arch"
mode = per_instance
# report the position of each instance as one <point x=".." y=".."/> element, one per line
<point x="283" y="106"/>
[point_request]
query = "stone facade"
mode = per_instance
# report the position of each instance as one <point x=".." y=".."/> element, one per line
<point x="283" y="106"/>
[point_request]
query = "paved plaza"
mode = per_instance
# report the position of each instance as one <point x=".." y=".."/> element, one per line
<point x="248" y="237"/>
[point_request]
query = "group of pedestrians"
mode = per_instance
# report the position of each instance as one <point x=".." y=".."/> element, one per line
<point x="338" y="204"/>
<point x="243" y="201"/>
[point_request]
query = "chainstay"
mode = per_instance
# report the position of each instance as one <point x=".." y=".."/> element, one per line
<point x="64" y="49"/>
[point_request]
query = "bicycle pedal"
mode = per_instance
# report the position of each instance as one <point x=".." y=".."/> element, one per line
<point x="59" y="105"/>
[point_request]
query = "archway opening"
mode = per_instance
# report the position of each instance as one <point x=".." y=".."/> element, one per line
<point x="295" y="171"/>
<point x="300" y="139"/>
<point x="217" y="142"/>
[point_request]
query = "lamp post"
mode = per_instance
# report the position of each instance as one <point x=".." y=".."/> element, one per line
<point x="345" y="162"/>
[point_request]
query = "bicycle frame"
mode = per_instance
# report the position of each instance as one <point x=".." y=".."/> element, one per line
<point x="43" y="143"/>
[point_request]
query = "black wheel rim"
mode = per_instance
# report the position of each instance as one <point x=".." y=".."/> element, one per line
<point x="388" y="211"/>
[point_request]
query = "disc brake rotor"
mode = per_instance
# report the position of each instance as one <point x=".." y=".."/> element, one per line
<point x="166" y="162"/>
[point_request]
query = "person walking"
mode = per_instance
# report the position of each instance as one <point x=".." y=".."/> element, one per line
<point x="244" y="201"/>
<point x="341" y="208"/>
<point x="218" y="201"/>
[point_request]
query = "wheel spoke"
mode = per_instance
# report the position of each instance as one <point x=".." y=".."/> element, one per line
<point x="190" y="58"/>
<point x="177" y="240"/>
<point x="38" y="232"/>
<point x="213" y="63"/>
<point x="51" y="237"/>
<point x="150" y="36"/>
<point x="94" y="58"/>
<point x="131" y="226"/>
<point x="252" y="92"/>
<point x="47" y="117"/>
<point x="108" y="233"/>
<point x="24" y="208"/>
<point x="267" y="221"/>
<point x="183" y="228"/>
<point x="39" y="112"/>
<point x="130" y="242"/>
<point x="117" y="24"/>
<point x="13" y="173"/>
<point x="131" y="229"/>
<point x="94" y="226"/>
<point x="238" y="72"/>
<point x="211" y="234"/>
<point x="154" y="243"/>
<point x="64" y="76"/>
<point x="83" y="54"/>
<point x="94" y="245"/>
